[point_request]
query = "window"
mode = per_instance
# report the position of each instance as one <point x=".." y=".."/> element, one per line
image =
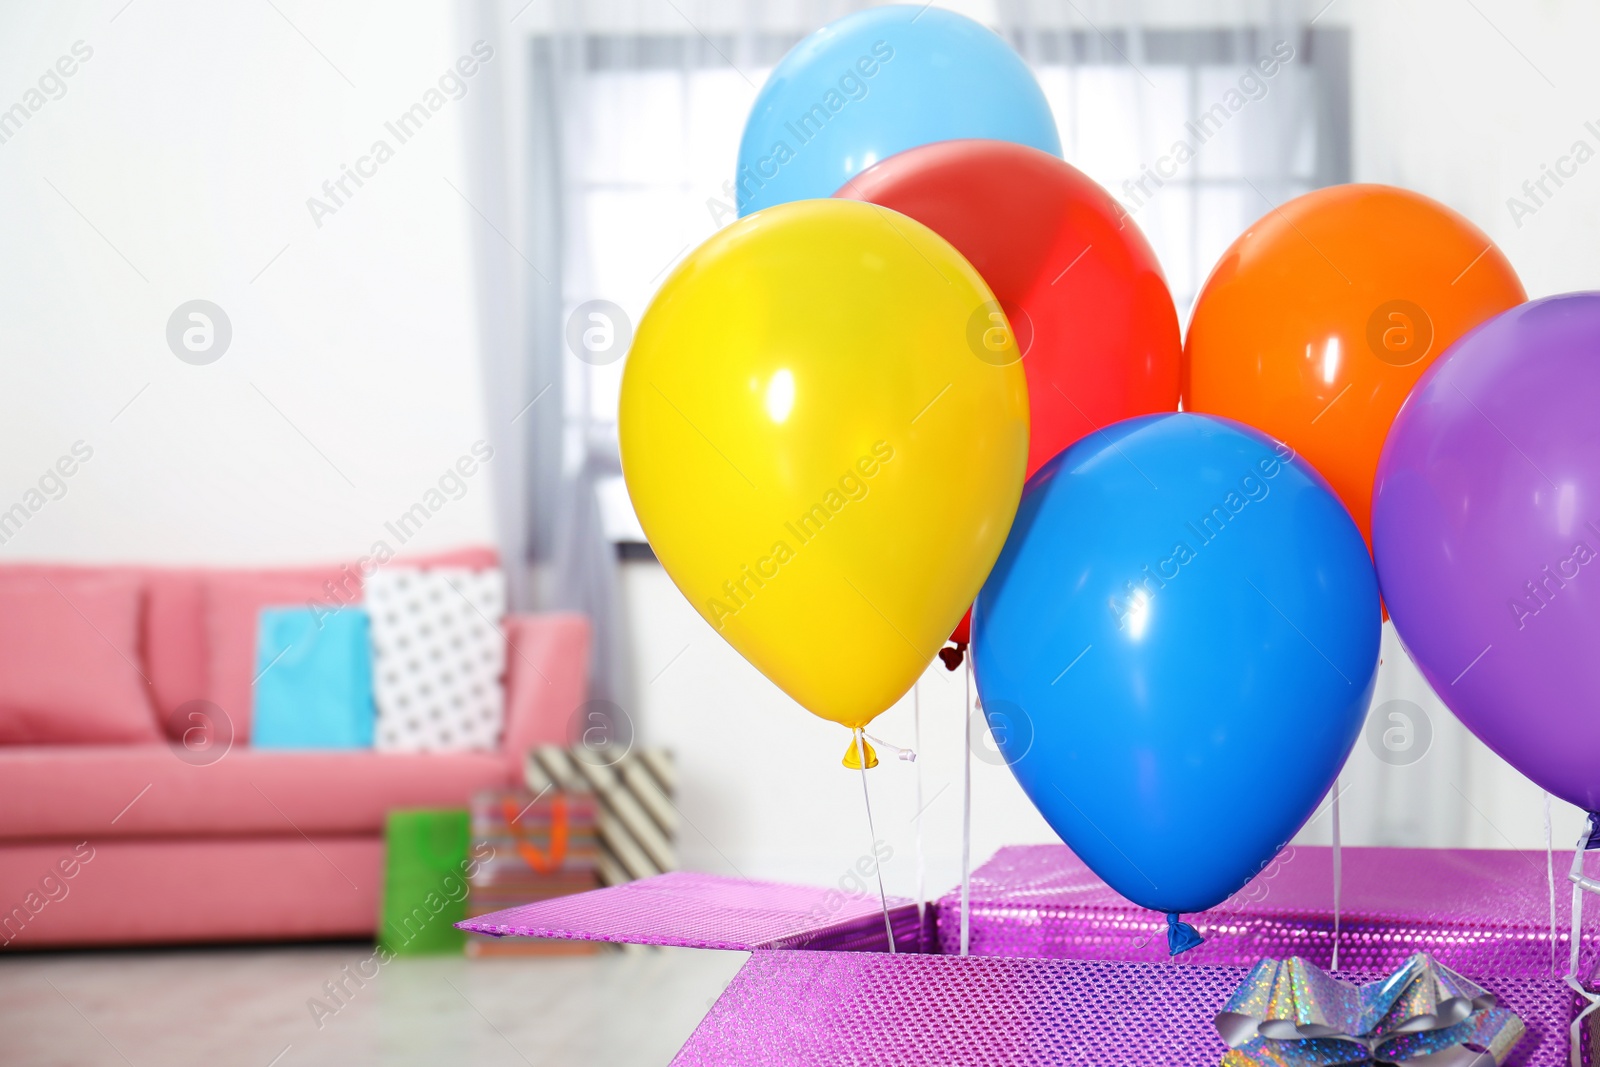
<point x="1260" y="120"/>
<point x="1201" y="132"/>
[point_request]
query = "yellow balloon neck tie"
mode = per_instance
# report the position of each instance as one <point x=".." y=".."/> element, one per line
<point x="852" y="755"/>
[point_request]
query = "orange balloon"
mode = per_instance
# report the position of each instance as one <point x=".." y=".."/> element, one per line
<point x="1316" y="323"/>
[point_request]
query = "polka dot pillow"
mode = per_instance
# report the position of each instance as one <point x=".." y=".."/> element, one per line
<point x="438" y="658"/>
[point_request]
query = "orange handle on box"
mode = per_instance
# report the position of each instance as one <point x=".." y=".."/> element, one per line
<point x="537" y="859"/>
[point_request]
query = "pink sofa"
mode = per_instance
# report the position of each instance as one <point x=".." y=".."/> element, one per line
<point x="131" y="842"/>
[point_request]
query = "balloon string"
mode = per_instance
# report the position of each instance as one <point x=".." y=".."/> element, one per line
<point x="922" y="869"/>
<point x="1338" y="874"/>
<point x="1550" y="877"/>
<point x="966" y="815"/>
<point x="883" y="898"/>
<point x="1573" y="943"/>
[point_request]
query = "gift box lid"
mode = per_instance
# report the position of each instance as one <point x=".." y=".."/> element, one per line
<point x="1490" y="886"/>
<point x="1481" y="911"/>
<point x="688" y="910"/>
<point x="802" y="1008"/>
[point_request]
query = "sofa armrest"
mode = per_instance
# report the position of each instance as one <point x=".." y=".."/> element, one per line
<point x="547" y="678"/>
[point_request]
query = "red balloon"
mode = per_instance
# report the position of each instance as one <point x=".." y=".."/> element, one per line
<point x="1079" y="284"/>
<point x="953" y="652"/>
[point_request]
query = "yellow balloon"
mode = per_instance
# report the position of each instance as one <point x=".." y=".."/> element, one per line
<point x="824" y="429"/>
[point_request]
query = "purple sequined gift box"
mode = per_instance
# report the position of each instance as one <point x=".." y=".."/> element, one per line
<point x="1483" y="912"/>
<point x="868" y="1009"/>
<point x="832" y="1005"/>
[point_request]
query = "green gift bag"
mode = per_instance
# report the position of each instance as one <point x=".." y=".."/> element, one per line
<point x="424" y="881"/>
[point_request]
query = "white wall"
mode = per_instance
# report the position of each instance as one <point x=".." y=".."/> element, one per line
<point x="763" y="787"/>
<point x="1466" y="107"/>
<point x="191" y="140"/>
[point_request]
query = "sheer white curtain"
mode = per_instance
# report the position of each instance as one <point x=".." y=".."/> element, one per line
<point x="1199" y="120"/>
<point x="601" y="160"/>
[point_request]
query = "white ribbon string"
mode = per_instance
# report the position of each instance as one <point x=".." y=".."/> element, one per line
<point x="1338" y="875"/>
<point x="883" y="898"/>
<point x="1550" y="877"/>
<point x="1574" y="943"/>
<point x="966" y="812"/>
<point x="922" y="869"/>
<point x="907" y="754"/>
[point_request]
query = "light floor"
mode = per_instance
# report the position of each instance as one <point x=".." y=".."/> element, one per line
<point x="248" y="1006"/>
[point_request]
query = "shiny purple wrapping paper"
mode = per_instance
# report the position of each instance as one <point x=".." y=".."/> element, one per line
<point x="1020" y="1000"/>
<point x="794" y="1009"/>
<point x="689" y="910"/>
<point x="1483" y="912"/>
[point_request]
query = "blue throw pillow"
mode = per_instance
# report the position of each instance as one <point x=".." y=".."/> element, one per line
<point x="313" y="686"/>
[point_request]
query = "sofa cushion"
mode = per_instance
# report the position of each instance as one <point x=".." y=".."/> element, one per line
<point x="233" y="603"/>
<point x="438" y="658"/>
<point x="166" y="890"/>
<point x="171" y="629"/>
<point x="174" y="640"/>
<point x="473" y="558"/>
<point x="547" y="677"/>
<point x="69" y="660"/>
<point x="313" y="680"/>
<point x="59" y="791"/>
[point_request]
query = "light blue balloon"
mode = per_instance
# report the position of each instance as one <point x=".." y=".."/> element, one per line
<point x="878" y="82"/>
<point x="1176" y="650"/>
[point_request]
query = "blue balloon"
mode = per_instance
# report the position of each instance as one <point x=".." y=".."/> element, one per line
<point x="1175" y="652"/>
<point x="878" y="82"/>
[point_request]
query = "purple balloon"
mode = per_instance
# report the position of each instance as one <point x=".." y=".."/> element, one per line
<point x="1486" y="530"/>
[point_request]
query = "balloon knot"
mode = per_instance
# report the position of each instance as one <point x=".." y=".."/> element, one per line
<point x="952" y="655"/>
<point x="852" y="755"/>
<point x="1594" y="832"/>
<point x="1181" y="937"/>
